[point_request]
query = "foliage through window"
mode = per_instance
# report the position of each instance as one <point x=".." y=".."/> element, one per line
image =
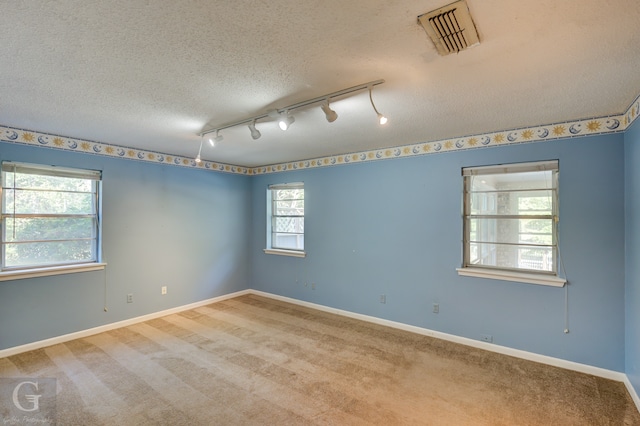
<point x="286" y="217"/>
<point x="50" y="216"/>
<point x="511" y="216"/>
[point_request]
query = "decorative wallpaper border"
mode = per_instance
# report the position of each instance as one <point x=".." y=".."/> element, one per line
<point x="29" y="137"/>
<point x="509" y="137"/>
<point x="568" y="129"/>
<point x="632" y="112"/>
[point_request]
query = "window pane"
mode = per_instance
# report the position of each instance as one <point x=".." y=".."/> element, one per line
<point x="512" y="257"/>
<point x="536" y="231"/>
<point x="513" y="181"/>
<point x="43" y="202"/>
<point x="7" y="180"/>
<point x="30" y="229"/>
<point x="288" y="241"/>
<point x="512" y="231"/>
<point x="484" y="203"/>
<point x="289" y="208"/>
<point x="48" y="253"/>
<point x="512" y="203"/>
<point x="288" y="224"/>
<point x="536" y="258"/>
<point x="288" y="194"/>
<point x="531" y="204"/>
<point x="29" y="181"/>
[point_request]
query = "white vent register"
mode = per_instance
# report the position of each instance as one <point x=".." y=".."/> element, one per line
<point x="451" y="28"/>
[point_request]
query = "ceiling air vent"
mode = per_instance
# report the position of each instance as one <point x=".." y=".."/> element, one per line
<point x="451" y="28"/>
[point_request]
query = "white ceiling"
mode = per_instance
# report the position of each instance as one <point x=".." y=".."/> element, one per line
<point x="153" y="74"/>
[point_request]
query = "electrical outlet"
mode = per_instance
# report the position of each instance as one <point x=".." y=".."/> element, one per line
<point x="164" y="289"/>
<point x="313" y="286"/>
<point x="486" y="338"/>
<point x="383" y="298"/>
<point x="130" y="298"/>
<point x="436" y="308"/>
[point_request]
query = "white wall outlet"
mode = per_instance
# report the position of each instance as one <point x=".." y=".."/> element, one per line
<point x="130" y="298"/>
<point x="436" y="308"/>
<point x="383" y="298"/>
<point x="164" y="289"/>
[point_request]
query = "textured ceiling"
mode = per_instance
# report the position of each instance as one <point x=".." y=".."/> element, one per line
<point x="153" y="74"/>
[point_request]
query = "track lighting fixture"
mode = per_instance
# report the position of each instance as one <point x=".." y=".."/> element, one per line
<point x="381" y="118"/>
<point x="282" y="115"/>
<point x="286" y="120"/>
<point x="328" y="112"/>
<point x="255" y="133"/>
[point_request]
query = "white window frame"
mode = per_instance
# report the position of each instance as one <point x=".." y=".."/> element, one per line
<point x="272" y="248"/>
<point x="41" y="269"/>
<point x="519" y="273"/>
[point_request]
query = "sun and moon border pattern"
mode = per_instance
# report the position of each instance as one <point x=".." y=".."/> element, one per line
<point x="569" y="129"/>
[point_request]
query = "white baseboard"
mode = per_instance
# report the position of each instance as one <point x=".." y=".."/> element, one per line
<point x="556" y="362"/>
<point x="88" y="332"/>
<point x="632" y="392"/>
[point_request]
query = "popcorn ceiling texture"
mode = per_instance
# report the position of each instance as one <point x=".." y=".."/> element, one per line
<point x="152" y="75"/>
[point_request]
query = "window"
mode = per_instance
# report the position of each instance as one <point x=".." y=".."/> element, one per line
<point x="510" y="220"/>
<point x="285" y="219"/>
<point x="50" y="216"/>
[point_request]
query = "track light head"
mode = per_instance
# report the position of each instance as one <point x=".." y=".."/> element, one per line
<point x="218" y="137"/>
<point x="381" y="118"/>
<point x="198" y="157"/>
<point x="328" y="112"/>
<point x="285" y="121"/>
<point x="255" y="133"/>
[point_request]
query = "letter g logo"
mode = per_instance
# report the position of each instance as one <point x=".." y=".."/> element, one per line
<point x="33" y="399"/>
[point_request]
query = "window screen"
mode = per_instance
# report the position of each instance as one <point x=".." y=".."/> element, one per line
<point x="286" y="221"/>
<point x="50" y="216"/>
<point x="511" y="216"/>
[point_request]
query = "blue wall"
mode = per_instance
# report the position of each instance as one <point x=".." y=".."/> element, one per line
<point x="632" y="263"/>
<point x="183" y="228"/>
<point x="394" y="227"/>
<point x="391" y="227"/>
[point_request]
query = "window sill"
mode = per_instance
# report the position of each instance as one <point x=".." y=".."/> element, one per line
<point x="51" y="270"/>
<point x="522" y="277"/>
<point x="280" y="252"/>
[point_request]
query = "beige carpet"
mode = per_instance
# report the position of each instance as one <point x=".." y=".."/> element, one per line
<point x="256" y="361"/>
